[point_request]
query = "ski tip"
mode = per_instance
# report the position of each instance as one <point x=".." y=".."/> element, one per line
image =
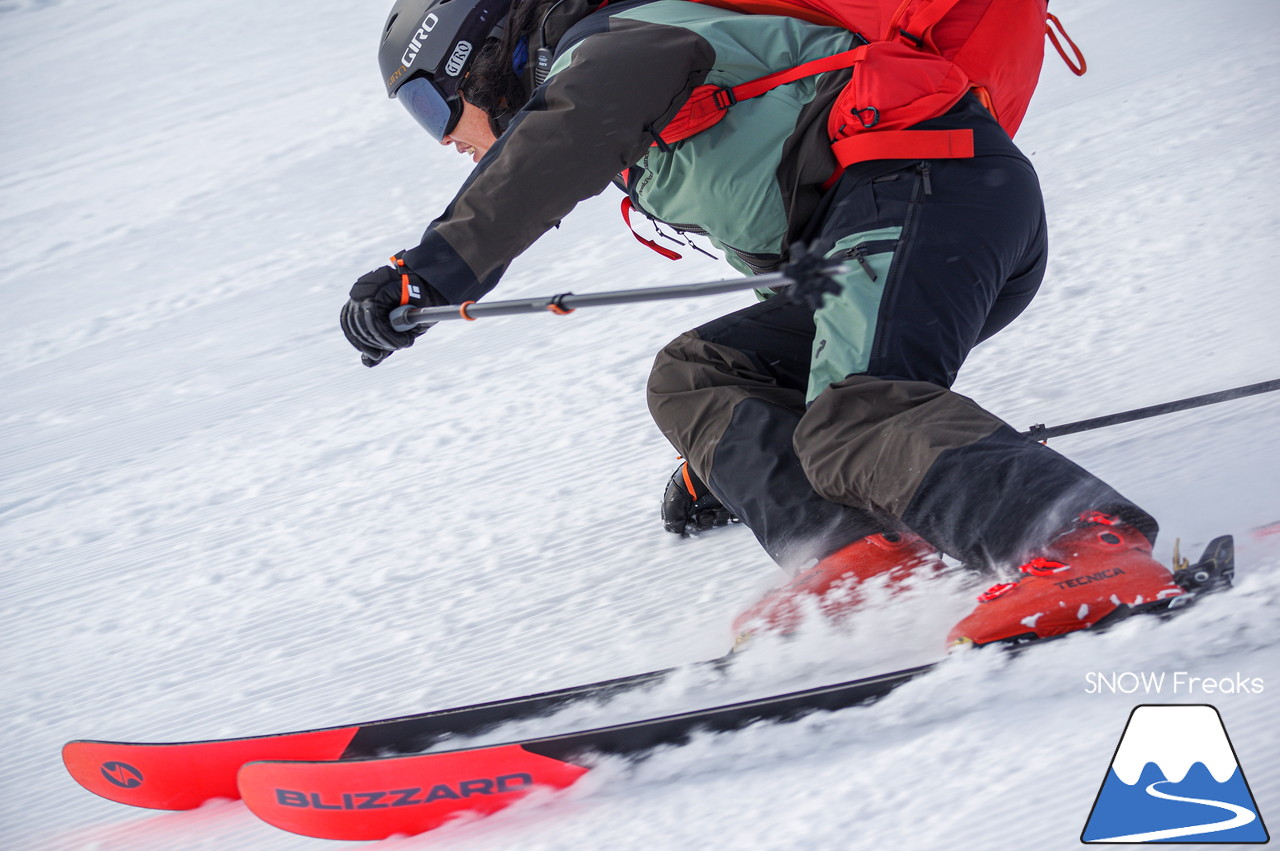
<point x="369" y="799"/>
<point x="128" y="774"/>
<point x="184" y="775"/>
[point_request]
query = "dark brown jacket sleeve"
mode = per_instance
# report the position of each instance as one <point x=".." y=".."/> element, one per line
<point x="587" y="123"/>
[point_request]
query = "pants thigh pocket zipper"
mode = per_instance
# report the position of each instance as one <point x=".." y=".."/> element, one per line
<point x="863" y="250"/>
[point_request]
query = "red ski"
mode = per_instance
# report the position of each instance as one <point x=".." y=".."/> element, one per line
<point x="340" y="782"/>
<point x="381" y="797"/>
<point x="183" y="775"/>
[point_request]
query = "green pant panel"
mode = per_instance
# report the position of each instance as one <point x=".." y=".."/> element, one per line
<point x="846" y="323"/>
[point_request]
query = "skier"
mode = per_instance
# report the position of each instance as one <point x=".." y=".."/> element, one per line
<point x="824" y="422"/>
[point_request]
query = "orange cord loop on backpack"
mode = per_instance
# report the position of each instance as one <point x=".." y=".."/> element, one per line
<point x="1079" y="66"/>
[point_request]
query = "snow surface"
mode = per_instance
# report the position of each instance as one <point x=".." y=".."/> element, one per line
<point x="214" y="522"/>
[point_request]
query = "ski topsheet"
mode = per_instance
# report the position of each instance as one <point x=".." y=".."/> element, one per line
<point x="380" y="797"/>
<point x="183" y="775"/>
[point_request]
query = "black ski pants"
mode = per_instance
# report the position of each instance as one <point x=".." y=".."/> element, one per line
<point x="818" y="428"/>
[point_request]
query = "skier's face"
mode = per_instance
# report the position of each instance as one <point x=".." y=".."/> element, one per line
<point x="473" y="136"/>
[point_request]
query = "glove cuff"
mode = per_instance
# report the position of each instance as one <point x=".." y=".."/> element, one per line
<point x="408" y="290"/>
<point x="414" y="289"/>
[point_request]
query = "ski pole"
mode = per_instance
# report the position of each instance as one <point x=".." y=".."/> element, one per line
<point x="809" y="270"/>
<point x="405" y="318"/>
<point x="1042" y="432"/>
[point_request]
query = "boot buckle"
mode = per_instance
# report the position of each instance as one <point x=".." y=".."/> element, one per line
<point x="998" y="590"/>
<point x="1041" y="566"/>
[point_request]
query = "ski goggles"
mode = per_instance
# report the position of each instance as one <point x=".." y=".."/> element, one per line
<point x="437" y="114"/>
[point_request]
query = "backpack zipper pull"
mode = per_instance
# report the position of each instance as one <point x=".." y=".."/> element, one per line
<point x="688" y="240"/>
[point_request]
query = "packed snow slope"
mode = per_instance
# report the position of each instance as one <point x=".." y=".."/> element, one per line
<point x="215" y="522"/>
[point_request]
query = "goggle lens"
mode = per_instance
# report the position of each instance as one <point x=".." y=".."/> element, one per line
<point x="429" y="107"/>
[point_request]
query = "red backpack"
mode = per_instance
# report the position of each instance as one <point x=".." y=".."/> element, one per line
<point x="919" y="59"/>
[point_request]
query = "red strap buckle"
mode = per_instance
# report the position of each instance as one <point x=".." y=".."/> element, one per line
<point x="1041" y="566"/>
<point x="724" y="98"/>
<point x="996" y="591"/>
<point x="1100" y="519"/>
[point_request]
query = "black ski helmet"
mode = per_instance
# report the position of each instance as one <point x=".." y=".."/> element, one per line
<point x="435" y="41"/>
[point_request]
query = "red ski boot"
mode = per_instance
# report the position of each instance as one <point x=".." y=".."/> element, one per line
<point x="1084" y="575"/>
<point x="897" y="555"/>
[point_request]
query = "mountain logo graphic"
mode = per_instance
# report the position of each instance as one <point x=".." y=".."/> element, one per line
<point x="1175" y="778"/>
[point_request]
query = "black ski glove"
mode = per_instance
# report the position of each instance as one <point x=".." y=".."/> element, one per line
<point x="366" y="316"/>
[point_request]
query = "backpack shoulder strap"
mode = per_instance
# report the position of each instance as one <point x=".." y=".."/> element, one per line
<point x="708" y="104"/>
